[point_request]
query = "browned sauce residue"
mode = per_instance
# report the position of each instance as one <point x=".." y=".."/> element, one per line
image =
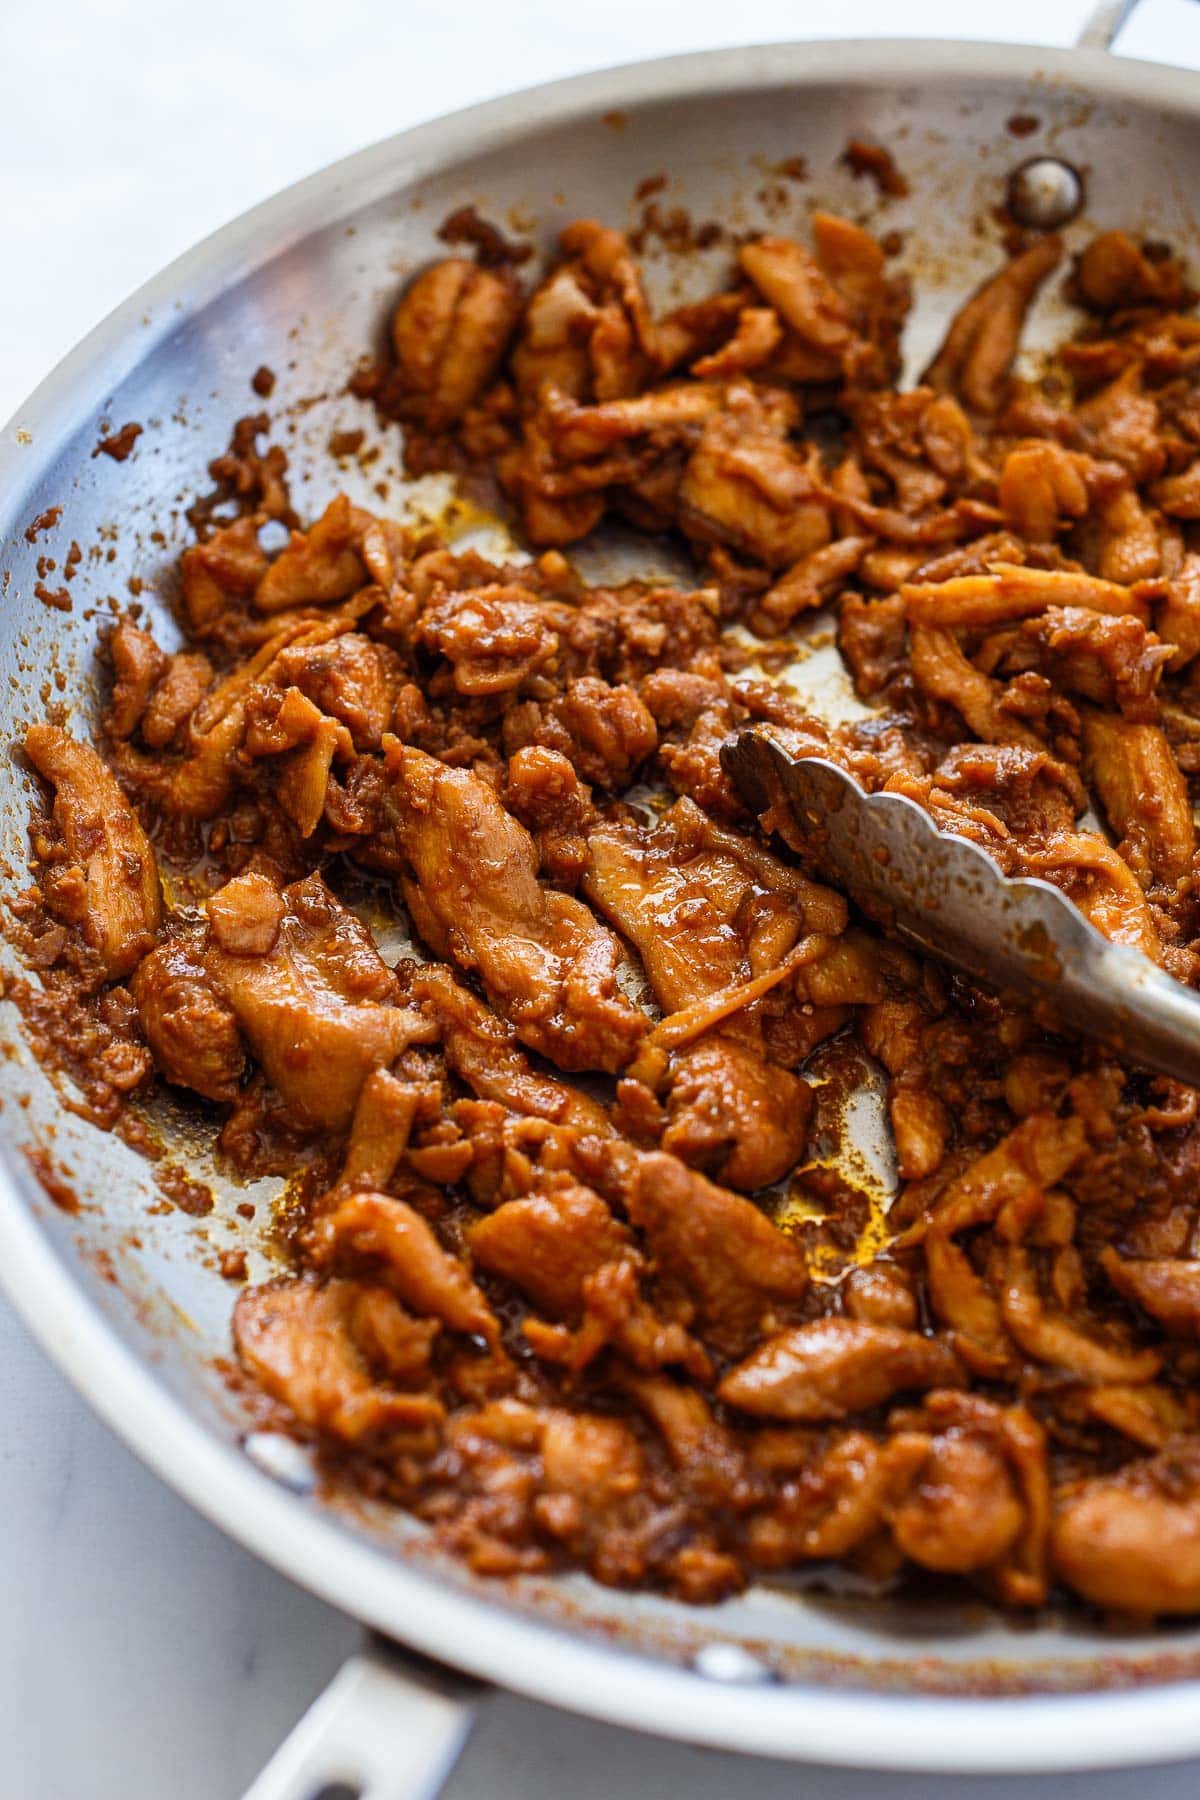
<point x="345" y="443"/>
<point x="57" y="599"/>
<point x="119" y="444"/>
<point x="878" y="164"/>
<point x="54" y="1184"/>
<point x="45" y="521"/>
<point x="649" y="185"/>
<point x="185" y="1193"/>
<point x="492" y="249"/>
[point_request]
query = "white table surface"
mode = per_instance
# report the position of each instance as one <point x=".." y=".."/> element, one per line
<point x="141" y="1655"/>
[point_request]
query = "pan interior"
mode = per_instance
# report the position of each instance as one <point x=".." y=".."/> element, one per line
<point x="307" y="297"/>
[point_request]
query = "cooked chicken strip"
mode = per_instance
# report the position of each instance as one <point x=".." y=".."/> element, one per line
<point x="402" y="1249"/>
<point x="299" y="1340"/>
<point x="835" y="1367"/>
<point x="117" y="903"/>
<point x="1131" y="1541"/>
<point x="978" y="351"/>
<point x="726" y="1258"/>
<point x="315" y="1002"/>
<point x="1143" y="792"/>
<point x="545" y="960"/>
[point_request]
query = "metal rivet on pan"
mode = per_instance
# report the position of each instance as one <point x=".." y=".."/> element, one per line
<point x="1044" y="192"/>
<point x="283" y="1459"/>
<point x="729" y="1662"/>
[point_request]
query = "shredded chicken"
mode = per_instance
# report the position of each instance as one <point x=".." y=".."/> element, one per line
<point x="833" y="1368"/>
<point x="1131" y="1541"/>
<point x="978" y="353"/>
<point x="543" y="957"/>
<point x="580" y="1270"/>
<point x="315" y="1001"/>
<point x="102" y="876"/>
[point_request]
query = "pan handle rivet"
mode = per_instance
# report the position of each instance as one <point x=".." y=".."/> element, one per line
<point x="1044" y="193"/>
<point x="283" y="1459"/>
<point x="729" y="1662"/>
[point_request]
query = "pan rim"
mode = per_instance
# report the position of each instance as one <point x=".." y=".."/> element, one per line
<point x="1047" y="1733"/>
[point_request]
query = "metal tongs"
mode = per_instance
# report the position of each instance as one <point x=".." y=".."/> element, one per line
<point x="947" y="896"/>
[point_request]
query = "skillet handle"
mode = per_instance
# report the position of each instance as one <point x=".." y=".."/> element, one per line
<point x="389" y="1726"/>
<point x="1103" y="22"/>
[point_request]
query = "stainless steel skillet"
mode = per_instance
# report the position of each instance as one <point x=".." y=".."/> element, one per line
<point x="127" y="1298"/>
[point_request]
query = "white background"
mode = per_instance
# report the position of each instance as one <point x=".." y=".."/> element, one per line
<point x="141" y="1656"/>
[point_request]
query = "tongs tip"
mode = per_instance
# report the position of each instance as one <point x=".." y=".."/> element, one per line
<point x="947" y="895"/>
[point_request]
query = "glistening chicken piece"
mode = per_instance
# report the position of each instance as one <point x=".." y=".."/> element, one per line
<point x="790" y="278"/>
<point x="549" y="1243"/>
<point x="834" y="1367"/>
<point x="746" y="486"/>
<point x="186" y="1020"/>
<point x="314" y="999"/>
<point x="970" y="1492"/>
<point x="587" y="329"/>
<point x="578" y="1478"/>
<point x="1143" y="792"/>
<point x="708" y="1456"/>
<point x="1115" y="662"/>
<point x="546" y="961"/>
<point x="1048" y="1335"/>
<point x="587" y="335"/>
<point x="480" y="1049"/>
<point x="716" y="1250"/>
<point x="1042" y="488"/>
<point x="1102" y="885"/>
<point x="576" y="1262"/>
<point x="1113" y="272"/>
<point x="116" y="900"/>
<point x="213" y="730"/>
<point x="1032" y="1158"/>
<point x="962" y="1512"/>
<point x="220" y="574"/>
<point x="706" y="912"/>
<point x="1030" y="792"/>
<point x="979" y="347"/>
<point x="732" y="1111"/>
<point x="349" y="678"/>
<point x="961" y="1300"/>
<point x="705" y="909"/>
<point x="942" y="670"/>
<point x="449" y="332"/>
<point x="310" y="1345"/>
<point x="1012" y="591"/>
<point x="393" y="1237"/>
<point x="835" y="311"/>
<point x="137" y="664"/>
<point x="1167" y="1288"/>
<point x="318" y="565"/>
<point x="1131" y="1541"/>
<point x="578" y="432"/>
<point x="493" y="637"/>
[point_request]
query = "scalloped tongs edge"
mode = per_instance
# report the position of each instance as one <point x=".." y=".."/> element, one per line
<point x="947" y="896"/>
